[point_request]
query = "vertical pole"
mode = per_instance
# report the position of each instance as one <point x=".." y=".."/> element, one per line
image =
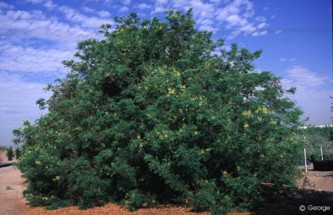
<point x="321" y="152"/>
<point x="305" y="165"/>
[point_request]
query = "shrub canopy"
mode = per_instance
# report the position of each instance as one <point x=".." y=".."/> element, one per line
<point x="157" y="112"/>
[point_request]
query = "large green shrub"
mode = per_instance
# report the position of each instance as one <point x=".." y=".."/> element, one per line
<point x="157" y="112"/>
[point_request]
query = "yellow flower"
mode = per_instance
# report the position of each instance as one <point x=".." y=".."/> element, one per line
<point x="177" y="74"/>
<point x="246" y="125"/>
<point x="247" y="113"/>
<point x="263" y="110"/>
<point x="171" y="91"/>
<point x="57" y="178"/>
<point x="273" y="122"/>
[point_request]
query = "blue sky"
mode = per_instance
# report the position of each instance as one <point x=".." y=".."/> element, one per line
<point x="36" y="35"/>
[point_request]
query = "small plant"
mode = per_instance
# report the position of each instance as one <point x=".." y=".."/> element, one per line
<point x="9" y="188"/>
<point x="10" y="153"/>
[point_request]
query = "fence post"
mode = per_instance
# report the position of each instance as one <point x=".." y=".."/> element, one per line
<point x="321" y="153"/>
<point x="305" y="164"/>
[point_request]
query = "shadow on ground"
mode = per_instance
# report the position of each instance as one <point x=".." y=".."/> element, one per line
<point x="304" y="201"/>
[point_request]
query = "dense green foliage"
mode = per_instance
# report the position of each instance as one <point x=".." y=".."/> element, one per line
<point x="10" y="153"/>
<point x="157" y="112"/>
<point x="17" y="153"/>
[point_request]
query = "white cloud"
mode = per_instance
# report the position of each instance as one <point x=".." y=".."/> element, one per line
<point x="75" y="16"/>
<point x="34" y="1"/>
<point x="312" y="95"/>
<point x="46" y="3"/>
<point x="20" y="25"/>
<point x="126" y="2"/>
<point x="287" y="59"/>
<point x="161" y="1"/>
<point x="207" y="25"/>
<point x="202" y="10"/>
<point x="305" y="78"/>
<point x="262" y="25"/>
<point x="88" y="9"/>
<point x="248" y="29"/>
<point x="237" y="17"/>
<point x="234" y="20"/>
<point x="22" y="15"/>
<point x="159" y="9"/>
<point x="123" y="9"/>
<point x="104" y="14"/>
<point x="32" y="42"/>
<point x="208" y="28"/>
<point x="29" y="60"/>
<point x="259" y="33"/>
<point x="144" y="6"/>
<point x="226" y="11"/>
<point x="49" y="4"/>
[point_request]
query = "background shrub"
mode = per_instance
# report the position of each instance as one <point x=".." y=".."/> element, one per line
<point x="10" y="153"/>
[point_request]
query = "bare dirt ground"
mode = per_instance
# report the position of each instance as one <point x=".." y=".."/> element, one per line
<point x="315" y="189"/>
<point x="314" y="196"/>
<point x="11" y="188"/>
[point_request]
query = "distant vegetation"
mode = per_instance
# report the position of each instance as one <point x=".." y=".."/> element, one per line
<point x="315" y="138"/>
<point x="3" y="148"/>
<point x="157" y="112"/>
<point x="10" y="153"/>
